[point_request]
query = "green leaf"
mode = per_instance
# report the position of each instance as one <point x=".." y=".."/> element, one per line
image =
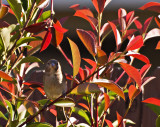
<point x="82" y="125"/>
<point x="158" y="121"/>
<point x="65" y="102"/>
<point x="82" y="113"/>
<point x="43" y="102"/>
<point x="5" y="35"/>
<point x="154" y="108"/>
<point x="45" y="15"/>
<point x="27" y="39"/>
<point x="2" y="116"/>
<point x="16" y="7"/>
<point x="101" y="108"/>
<point x="76" y="58"/>
<point x="10" y="109"/>
<point x="39" y="124"/>
<point x="24" y="4"/>
<point x="27" y="60"/>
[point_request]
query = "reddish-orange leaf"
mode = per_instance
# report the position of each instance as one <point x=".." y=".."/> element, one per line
<point x="75" y="6"/>
<point x="107" y="101"/>
<point x="37" y="27"/>
<point x="3" y="11"/>
<point x="140" y="57"/>
<point x="120" y="119"/>
<point x="132" y="72"/>
<point x="57" y="36"/>
<point x="121" y="18"/>
<point x="133" y="92"/>
<point x="158" y="45"/>
<point x="52" y="110"/>
<point x="93" y="22"/>
<point x="135" y="43"/>
<point x="116" y="34"/>
<point x="129" y="33"/>
<point x="146" y="24"/>
<point x="129" y="18"/>
<point x="76" y="58"/>
<point x="152" y="6"/>
<point x="5" y="76"/>
<point x="84" y="106"/>
<point x="109" y="123"/>
<point x="81" y="73"/>
<point x="153" y="101"/>
<point x="99" y="5"/>
<point x="41" y="90"/>
<point x="144" y="69"/>
<point x="46" y="40"/>
<point x="138" y="25"/>
<point x="157" y="19"/>
<point x="92" y="63"/>
<point x="102" y="57"/>
<point x="87" y="40"/>
<point x="60" y="29"/>
<point x="110" y="85"/>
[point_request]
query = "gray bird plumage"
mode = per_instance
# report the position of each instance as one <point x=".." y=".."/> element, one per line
<point x="54" y="80"/>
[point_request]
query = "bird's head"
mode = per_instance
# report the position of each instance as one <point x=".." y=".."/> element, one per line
<point x="52" y="66"/>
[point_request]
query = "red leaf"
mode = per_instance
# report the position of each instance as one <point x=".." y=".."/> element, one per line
<point x="153" y="101"/>
<point x="116" y="34"/>
<point x="106" y="28"/>
<point x="99" y="5"/>
<point x="139" y="26"/>
<point x="46" y="40"/>
<point x="158" y="45"/>
<point x="133" y="92"/>
<point x="152" y="33"/>
<point x="3" y="11"/>
<point x="75" y="6"/>
<point x="60" y="29"/>
<point x="41" y="90"/>
<point x="135" y="43"/>
<point x="129" y="18"/>
<point x="157" y="19"/>
<point x="92" y="63"/>
<point x="37" y="27"/>
<point x="119" y="118"/>
<point x="140" y="57"/>
<point x="121" y="18"/>
<point x="144" y="69"/>
<point x="146" y="24"/>
<point x="129" y="33"/>
<point x="152" y="6"/>
<point x="107" y="101"/>
<point x="81" y="73"/>
<point x="84" y="106"/>
<point x="93" y="22"/>
<point x="57" y="36"/>
<point x="132" y="72"/>
<point x="87" y="40"/>
<point x="5" y="76"/>
<point x="109" y="123"/>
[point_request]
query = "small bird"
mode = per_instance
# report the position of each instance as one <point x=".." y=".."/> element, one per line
<point x="55" y="84"/>
<point x="54" y="80"/>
